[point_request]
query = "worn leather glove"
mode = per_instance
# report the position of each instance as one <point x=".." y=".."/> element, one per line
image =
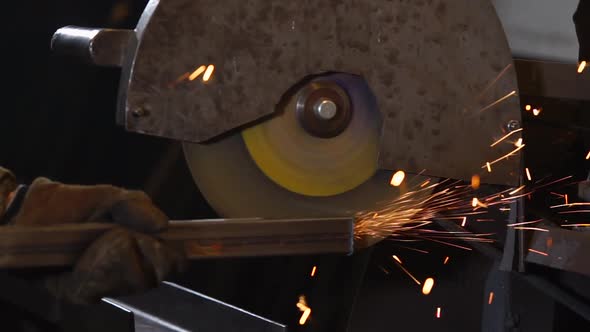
<point x="122" y="261"/>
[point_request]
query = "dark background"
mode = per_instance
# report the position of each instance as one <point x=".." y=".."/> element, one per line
<point x="58" y="120"/>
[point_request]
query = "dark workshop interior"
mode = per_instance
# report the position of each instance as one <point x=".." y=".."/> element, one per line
<point x="59" y="121"/>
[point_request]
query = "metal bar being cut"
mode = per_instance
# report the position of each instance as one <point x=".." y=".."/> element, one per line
<point x="560" y="249"/>
<point x="22" y="247"/>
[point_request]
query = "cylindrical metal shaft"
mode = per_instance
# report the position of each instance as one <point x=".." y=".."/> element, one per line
<point x="102" y="47"/>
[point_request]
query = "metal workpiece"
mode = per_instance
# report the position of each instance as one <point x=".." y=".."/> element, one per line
<point x="198" y="239"/>
<point x="101" y="47"/>
<point x="172" y="307"/>
<point x="561" y="249"/>
<point x="436" y="69"/>
<point x="260" y="237"/>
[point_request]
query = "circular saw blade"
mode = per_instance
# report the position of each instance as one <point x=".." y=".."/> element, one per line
<point x="276" y="169"/>
<point x="235" y="187"/>
<point x="317" y="166"/>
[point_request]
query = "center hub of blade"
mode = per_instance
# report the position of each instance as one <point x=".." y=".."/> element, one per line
<point x="325" y="139"/>
<point x="324" y="109"/>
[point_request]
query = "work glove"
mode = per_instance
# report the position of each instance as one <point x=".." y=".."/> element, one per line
<point x="122" y="261"/>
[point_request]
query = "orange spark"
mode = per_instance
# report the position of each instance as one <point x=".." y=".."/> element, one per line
<point x="446" y="260"/>
<point x="428" y="284"/>
<point x="409" y="274"/>
<point x="536" y="111"/>
<point x="464" y="222"/>
<point x="527" y="107"/>
<point x="581" y="67"/>
<point x="313" y="270"/>
<point x="196" y="73"/>
<point x="576" y="211"/>
<point x="208" y="73"/>
<point x="489" y="167"/>
<point x="449" y="244"/>
<point x="538" y="252"/>
<point x="425" y="183"/>
<point x="397" y="178"/>
<point x="566" y="199"/>
<point x="414" y="249"/>
<point x="554" y="182"/>
<point x="576" y="225"/>
<point x="302" y="305"/>
<point x="491" y="298"/>
<point x="498" y="101"/>
<point x="549" y="242"/>
<point x="475" y="202"/>
<point x="516" y="190"/>
<point x="569" y="205"/>
<point x="524" y="223"/>
<point x="532" y="229"/>
<point x="504" y="156"/>
<point x="397" y="259"/>
<point x="588" y="155"/>
<point x="492" y="83"/>
<point x="304" y="316"/>
<point x="528" y="174"/>
<point x="505" y="137"/>
<point x="438" y="312"/>
<point x="180" y="78"/>
<point x="518" y="142"/>
<point x="475" y="181"/>
<point x="515" y="197"/>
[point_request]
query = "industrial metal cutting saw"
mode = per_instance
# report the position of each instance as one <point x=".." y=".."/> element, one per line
<point x="294" y="115"/>
<point x="305" y="109"/>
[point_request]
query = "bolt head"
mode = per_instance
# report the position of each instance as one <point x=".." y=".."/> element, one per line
<point x="325" y="109"/>
<point x="513" y="125"/>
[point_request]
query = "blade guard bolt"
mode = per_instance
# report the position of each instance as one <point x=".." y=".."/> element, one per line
<point x="513" y="125"/>
<point x="139" y="112"/>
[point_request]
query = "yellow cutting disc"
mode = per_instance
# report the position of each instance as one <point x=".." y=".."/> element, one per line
<point x="316" y="166"/>
<point x="274" y="170"/>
